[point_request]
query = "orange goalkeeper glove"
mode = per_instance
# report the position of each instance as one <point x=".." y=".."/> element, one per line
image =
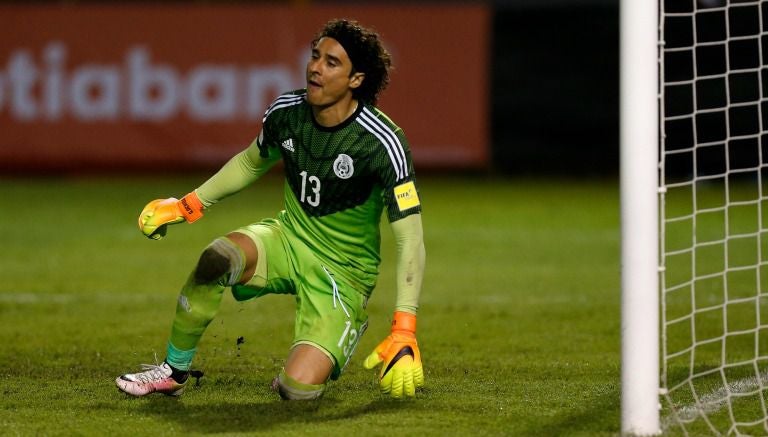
<point x="159" y="213"/>
<point x="401" y="372"/>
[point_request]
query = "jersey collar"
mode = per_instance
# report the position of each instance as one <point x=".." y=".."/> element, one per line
<point x="339" y="126"/>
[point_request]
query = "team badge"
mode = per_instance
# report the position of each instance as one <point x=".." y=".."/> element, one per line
<point x="343" y="166"/>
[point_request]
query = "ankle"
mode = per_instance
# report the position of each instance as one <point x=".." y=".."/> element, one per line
<point x="178" y="375"/>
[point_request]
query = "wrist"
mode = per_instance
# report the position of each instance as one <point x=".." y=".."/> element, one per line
<point x="403" y="321"/>
<point x="191" y="207"/>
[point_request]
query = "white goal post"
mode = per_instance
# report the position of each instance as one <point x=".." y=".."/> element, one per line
<point x="639" y="217"/>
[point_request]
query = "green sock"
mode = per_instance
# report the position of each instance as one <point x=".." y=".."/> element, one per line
<point x="179" y="359"/>
<point x="196" y="307"/>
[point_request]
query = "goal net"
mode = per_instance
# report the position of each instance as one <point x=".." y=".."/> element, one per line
<point x="713" y="216"/>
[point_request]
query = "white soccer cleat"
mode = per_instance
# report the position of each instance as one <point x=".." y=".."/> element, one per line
<point x="152" y="379"/>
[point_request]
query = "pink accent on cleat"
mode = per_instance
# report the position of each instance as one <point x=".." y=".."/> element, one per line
<point x="152" y="379"/>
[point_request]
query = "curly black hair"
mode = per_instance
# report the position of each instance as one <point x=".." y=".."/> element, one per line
<point x="368" y="56"/>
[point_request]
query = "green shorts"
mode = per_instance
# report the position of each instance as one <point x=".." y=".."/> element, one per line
<point x="330" y="313"/>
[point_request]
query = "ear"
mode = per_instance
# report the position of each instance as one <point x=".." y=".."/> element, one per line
<point x="356" y="80"/>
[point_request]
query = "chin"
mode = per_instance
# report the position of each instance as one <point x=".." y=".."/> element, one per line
<point x="319" y="102"/>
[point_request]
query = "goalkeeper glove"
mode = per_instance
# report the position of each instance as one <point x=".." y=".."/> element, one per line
<point x="159" y="213"/>
<point x="401" y="372"/>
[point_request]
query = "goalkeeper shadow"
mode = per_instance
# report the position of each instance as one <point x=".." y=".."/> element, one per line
<point x="206" y="416"/>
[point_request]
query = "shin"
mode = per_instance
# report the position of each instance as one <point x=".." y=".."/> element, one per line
<point x="220" y="265"/>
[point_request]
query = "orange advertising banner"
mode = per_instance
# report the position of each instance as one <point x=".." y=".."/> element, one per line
<point x="185" y="86"/>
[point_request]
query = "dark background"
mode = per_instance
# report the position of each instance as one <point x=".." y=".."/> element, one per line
<point x="555" y="88"/>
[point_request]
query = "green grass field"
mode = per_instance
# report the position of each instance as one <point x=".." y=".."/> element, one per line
<point x="518" y="326"/>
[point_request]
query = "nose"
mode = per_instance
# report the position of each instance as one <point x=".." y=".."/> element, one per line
<point x="313" y="66"/>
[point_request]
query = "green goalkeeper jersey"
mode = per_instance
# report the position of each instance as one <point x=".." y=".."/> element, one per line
<point x="339" y="180"/>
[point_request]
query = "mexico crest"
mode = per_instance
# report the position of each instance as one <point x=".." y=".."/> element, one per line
<point x="343" y="166"/>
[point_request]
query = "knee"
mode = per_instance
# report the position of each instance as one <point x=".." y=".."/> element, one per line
<point x="222" y="261"/>
<point x="293" y="390"/>
<point x="211" y="266"/>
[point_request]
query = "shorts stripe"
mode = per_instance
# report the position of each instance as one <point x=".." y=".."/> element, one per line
<point x="336" y="295"/>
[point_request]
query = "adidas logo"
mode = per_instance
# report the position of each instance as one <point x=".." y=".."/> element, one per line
<point x="288" y="145"/>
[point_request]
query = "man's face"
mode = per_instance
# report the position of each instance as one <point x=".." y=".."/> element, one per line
<point x="328" y="74"/>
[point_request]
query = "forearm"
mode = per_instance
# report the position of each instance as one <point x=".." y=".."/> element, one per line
<point x="239" y="172"/>
<point x="411" y="257"/>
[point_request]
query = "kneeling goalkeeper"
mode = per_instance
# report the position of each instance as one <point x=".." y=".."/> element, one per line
<point x="345" y="163"/>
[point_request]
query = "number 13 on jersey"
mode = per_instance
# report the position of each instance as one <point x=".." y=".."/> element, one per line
<point x="313" y="197"/>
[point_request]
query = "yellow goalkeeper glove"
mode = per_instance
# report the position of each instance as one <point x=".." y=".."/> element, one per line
<point x="401" y="372"/>
<point x="159" y="213"/>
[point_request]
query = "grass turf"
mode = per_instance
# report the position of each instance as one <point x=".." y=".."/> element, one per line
<point x="518" y="326"/>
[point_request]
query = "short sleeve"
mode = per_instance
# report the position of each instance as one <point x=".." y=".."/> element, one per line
<point x="398" y="179"/>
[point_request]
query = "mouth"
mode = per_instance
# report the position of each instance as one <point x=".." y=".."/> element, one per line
<point x="313" y="84"/>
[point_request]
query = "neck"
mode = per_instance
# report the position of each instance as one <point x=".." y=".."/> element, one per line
<point x="332" y="115"/>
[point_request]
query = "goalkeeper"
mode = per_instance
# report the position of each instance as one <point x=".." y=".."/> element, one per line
<point x="345" y="163"/>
